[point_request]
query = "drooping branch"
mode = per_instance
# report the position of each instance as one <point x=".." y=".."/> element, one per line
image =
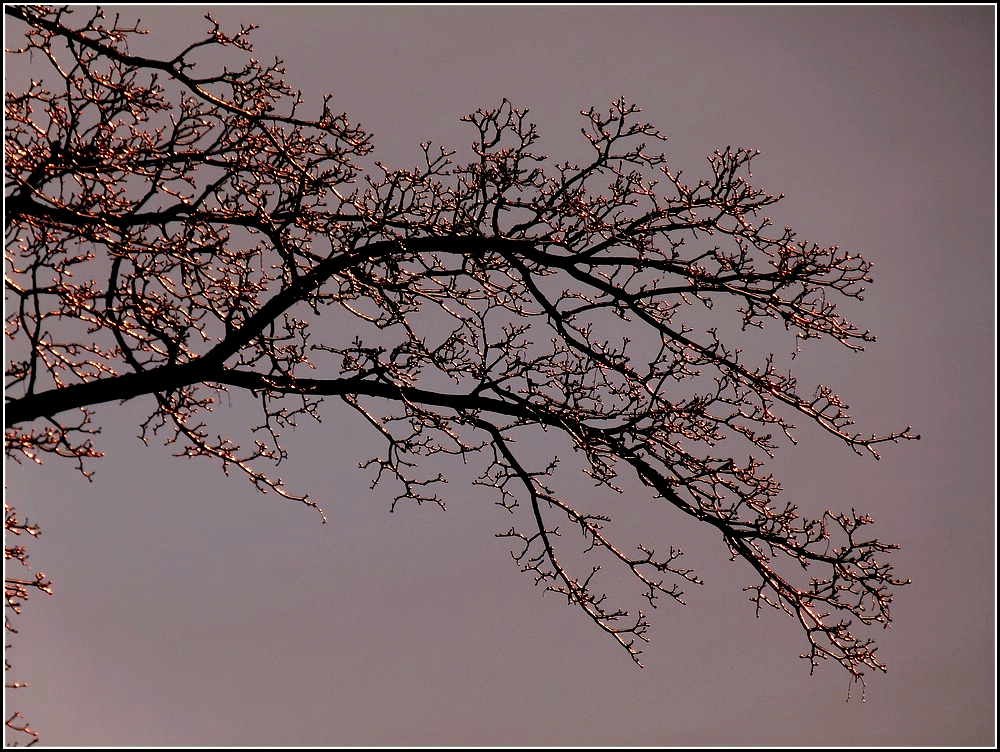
<point x="178" y="234"/>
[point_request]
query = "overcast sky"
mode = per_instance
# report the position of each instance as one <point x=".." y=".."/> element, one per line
<point x="191" y="610"/>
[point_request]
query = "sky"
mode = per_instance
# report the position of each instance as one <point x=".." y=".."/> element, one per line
<point x="191" y="610"/>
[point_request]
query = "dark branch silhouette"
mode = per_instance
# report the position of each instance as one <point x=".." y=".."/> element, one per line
<point x="173" y="234"/>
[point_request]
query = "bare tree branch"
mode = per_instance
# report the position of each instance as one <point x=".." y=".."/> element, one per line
<point x="174" y="234"/>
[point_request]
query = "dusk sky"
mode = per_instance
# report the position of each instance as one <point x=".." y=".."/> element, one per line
<point x="190" y="609"/>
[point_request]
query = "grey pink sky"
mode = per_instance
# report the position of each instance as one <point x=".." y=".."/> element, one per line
<point x="190" y="610"/>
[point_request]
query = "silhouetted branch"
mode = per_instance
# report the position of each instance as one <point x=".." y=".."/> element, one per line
<point x="174" y="234"/>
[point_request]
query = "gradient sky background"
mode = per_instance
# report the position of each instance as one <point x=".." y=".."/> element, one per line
<point x="191" y="610"/>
